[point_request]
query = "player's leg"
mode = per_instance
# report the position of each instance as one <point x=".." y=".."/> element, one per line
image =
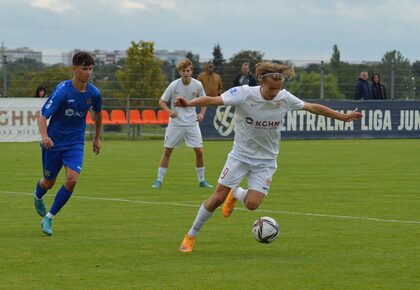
<point x="73" y="162"/>
<point x="173" y="137"/>
<point x="51" y="164"/>
<point x="259" y="180"/>
<point x="204" y="213"/>
<point x="194" y="140"/>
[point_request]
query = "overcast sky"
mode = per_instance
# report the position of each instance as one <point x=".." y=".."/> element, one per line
<point x="281" y="29"/>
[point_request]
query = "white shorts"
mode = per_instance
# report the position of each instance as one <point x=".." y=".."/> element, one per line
<point x="258" y="172"/>
<point x="175" y="134"/>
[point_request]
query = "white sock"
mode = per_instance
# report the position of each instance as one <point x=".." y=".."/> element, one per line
<point x="49" y="215"/>
<point x="240" y="193"/>
<point x="200" y="173"/>
<point x="202" y="216"/>
<point x="161" y="173"/>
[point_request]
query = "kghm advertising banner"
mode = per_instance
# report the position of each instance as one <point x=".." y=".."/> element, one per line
<point x="381" y="119"/>
<point x="19" y="119"/>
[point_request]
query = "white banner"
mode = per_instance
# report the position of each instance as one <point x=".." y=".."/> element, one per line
<point x="19" y="119"/>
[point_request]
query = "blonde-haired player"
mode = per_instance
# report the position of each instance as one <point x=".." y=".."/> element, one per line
<point x="183" y="122"/>
<point x="260" y="113"/>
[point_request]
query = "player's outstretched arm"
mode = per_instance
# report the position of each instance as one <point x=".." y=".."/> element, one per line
<point x="199" y="102"/>
<point x="328" y="112"/>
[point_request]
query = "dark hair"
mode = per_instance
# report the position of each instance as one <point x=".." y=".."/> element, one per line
<point x="379" y="77"/>
<point x="39" y="89"/>
<point x="83" y="58"/>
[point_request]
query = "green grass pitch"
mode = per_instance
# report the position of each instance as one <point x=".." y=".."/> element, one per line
<point x="349" y="215"/>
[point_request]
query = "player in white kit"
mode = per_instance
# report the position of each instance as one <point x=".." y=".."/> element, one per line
<point x="183" y="122"/>
<point x="260" y="114"/>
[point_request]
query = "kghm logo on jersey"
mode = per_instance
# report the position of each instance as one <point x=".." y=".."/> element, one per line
<point x="263" y="124"/>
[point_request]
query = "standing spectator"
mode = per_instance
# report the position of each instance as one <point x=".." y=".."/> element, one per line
<point x="362" y="89"/>
<point x="245" y="77"/>
<point x="63" y="137"/>
<point x="40" y="92"/>
<point x="183" y="122"/>
<point x="211" y="80"/>
<point x="377" y="89"/>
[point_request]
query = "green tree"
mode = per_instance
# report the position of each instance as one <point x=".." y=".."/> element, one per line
<point x="307" y="86"/>
<point x="218" y="60"/>
<point x="335" y="58"/>
<point x="394" y="61"/>
<point x="195" y="59"/>
<point x="141" y="76"/>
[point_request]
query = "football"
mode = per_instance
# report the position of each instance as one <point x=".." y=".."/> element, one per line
<point x="265" y="229"/>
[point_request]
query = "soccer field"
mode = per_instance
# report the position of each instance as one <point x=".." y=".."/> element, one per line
<point x="349" y="215"/>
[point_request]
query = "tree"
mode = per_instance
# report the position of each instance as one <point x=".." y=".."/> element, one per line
<point x="141" y="76"/>
<point x="218" y="60"/>
<point x="195" y="59"/>
<point x="394" y="61"/>
<point x="335" y="58"/>
<point x="306" y="86"/>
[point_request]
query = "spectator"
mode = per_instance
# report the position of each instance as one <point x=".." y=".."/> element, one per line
<point x="40" y="92"/>
<point x="362" y="90"/>
<point x="211" y="80"/>
<point x="245" y="77"/>
<point x="377" y="89"/>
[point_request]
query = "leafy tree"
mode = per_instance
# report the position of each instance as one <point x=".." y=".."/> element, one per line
<point x="306" y="86"/>
<point x="335" y="58"/>
<point x="141" y="76"/>
<point x="394" y="60"/>
<point x="218" y="60"/>
<point x="195" y="59"/>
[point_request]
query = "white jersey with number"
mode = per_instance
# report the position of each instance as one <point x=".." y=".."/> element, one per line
<point x="185" y="116"/>
<point x="259" y="121"/>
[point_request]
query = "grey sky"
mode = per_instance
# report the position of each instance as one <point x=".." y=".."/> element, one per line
<point x="281" y="29"/>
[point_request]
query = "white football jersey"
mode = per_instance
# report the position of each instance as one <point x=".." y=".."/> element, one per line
<point x="185" y="116"/>
<point x="259" y="122"/>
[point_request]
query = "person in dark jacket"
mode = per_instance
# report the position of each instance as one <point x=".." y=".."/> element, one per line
<point x="362" y="89"/>
<point x="377" y="89"/>
<point x="245" y="77"/>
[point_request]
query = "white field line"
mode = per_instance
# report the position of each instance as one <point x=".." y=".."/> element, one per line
<point x="258" y="210"/>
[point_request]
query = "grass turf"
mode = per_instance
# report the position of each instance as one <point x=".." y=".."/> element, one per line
<point x="348" y="212"/>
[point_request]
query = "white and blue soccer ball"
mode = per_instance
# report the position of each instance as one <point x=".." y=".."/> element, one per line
<point x="265" y="229"/>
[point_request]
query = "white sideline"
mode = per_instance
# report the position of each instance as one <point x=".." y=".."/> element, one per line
<point x="258" y="210"/>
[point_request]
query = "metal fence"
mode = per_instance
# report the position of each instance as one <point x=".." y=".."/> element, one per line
<point x="21" y="78"/>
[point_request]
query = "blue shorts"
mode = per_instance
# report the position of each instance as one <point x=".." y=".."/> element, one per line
<point x="52" y="161"/>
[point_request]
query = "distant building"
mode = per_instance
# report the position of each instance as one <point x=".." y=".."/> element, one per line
<point x="170" y="57"/>
<point x="101" y="56"/>
<point x="110" y="57"/>
<point x="13" y="54"/>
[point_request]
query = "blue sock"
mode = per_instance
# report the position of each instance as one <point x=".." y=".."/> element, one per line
<point x="39" y="192"/>
<point x="62" y="196"/>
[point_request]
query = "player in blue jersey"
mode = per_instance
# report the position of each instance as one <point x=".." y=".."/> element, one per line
<point x="62" y="140"/>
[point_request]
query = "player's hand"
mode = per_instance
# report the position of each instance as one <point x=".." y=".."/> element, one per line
<point x="47" y="143"/>
<point x="96" y="146"/>
<point x="181" y="102"/>
<point x="173" y="114"/>
<point x="353" y="115"/>
<point x="200" y="117"/>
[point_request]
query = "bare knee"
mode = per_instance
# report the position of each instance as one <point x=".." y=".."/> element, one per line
<point x="70" y="183"/>
<point x="167" y="152"/>
<point x="252" y="205"/>
<point x="47" y="183"/>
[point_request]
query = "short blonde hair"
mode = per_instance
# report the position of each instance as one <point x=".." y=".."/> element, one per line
<point x="274" y="70"/>
<point x="184" y="63"/>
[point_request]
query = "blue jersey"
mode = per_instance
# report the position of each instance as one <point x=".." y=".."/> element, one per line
<point x="67" y="109"/>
